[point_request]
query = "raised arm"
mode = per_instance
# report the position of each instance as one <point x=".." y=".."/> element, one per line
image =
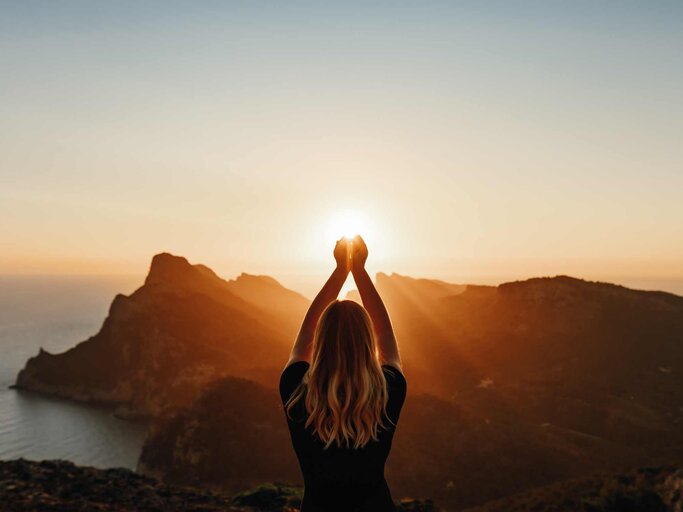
<point x="384" y="332"/>
<point x="329" y="292"/>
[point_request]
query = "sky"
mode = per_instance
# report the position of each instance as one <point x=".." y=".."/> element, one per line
<point x="468" y="141"/>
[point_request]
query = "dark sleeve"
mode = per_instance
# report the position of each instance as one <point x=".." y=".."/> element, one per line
<point x="397" y="387"/>
<point x="290" y="379"/>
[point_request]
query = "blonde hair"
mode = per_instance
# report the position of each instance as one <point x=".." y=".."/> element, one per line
<point x="344" y="390"/>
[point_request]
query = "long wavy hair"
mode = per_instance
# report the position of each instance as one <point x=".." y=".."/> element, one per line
<point x="344" y="390"/>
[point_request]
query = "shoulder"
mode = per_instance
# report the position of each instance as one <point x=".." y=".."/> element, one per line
<point x="394" y="376"/>
<point x="397" y="389"/>
<point x="291" y="377"/>
<point x="295" y="370"/>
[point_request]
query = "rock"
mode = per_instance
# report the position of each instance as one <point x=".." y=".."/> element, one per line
<point x="411" y="505"/>
<point x="232" y="437"/>
<point x="184" y="328"/>
<point x="510" y="388"/>
<point x="642" y="490"/>
<point x="529" y="383"/>
<point x="62" y="486"/>
<point x="270" y="497"/>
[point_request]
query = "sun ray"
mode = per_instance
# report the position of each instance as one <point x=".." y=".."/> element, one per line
<point x="348" y="224"/>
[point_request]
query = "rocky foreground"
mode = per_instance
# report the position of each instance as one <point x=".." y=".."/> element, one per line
<point x="62" y="486"/>
<point x="642" y="490"/>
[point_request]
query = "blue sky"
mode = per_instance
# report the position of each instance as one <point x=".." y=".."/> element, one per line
<point x="476" y="138"/>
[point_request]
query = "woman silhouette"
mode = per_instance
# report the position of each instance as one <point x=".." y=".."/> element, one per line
<point x="342" y="391"/>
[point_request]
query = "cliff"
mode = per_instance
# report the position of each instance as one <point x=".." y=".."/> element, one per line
<point x="160" y="346"/>
<point x="511" y="388"/>
<point x="234" y="420"/>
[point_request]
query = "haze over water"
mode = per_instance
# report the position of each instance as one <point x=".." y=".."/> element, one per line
<point x="56" y="313"/>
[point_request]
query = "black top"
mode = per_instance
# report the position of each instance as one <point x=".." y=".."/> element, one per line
<point x="341" y="478"/>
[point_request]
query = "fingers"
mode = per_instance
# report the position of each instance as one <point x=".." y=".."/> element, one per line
<point x="351" y="245"/>
<point x="343" y="245"/>
<point x="358" y="243"/>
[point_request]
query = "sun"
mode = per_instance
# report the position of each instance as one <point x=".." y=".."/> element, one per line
<point x="349" y="224"/>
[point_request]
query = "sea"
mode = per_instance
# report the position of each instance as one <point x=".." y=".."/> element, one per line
<point x="56" y="313"/>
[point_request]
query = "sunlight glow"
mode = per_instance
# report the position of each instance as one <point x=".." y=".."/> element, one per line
<point x="365" y="220"/>
<point x="349" y="224"/>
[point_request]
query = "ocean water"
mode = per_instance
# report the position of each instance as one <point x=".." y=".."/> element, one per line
<point x="56" y="313"/>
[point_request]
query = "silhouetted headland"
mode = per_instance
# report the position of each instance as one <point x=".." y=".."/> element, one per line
<point x="513" y="387"/>
<point x="184" y="328"/>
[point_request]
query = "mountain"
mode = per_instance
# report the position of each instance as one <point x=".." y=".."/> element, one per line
<point x="59" y="485"/>
<point x="415" y="309"/>
<point x="184" y="328"/>
<point x="421" y="290"/>
<point x="443" y="449"/>
<point x="539" y="380"/>
<point x="510" y="388"/>
<point x="265" y="292"/>
<point x="233" y="420"/>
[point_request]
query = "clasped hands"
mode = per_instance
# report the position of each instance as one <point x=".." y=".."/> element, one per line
<point x="350" y="254"/>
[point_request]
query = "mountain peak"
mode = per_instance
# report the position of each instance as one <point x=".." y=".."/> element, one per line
<point x="258" y="279"/>
<point x="560" y="284"/>
<point x="167" y="267"/>
<point x="383" y="277"/>
<point x="566" y="289"/>
<point x="266" y="291"/>
<point x="421" y="288"/>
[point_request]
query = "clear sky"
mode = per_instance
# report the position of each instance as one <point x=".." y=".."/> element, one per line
<point x="469" y="140"/>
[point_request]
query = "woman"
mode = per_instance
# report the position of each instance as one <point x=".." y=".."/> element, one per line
<point x="342" y="390"/>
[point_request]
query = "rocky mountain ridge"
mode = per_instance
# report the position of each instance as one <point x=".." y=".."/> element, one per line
<point x="529" y="382"/>
<point x="160" y="346"/>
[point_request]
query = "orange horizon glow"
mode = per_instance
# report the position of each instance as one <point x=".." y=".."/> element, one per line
<point x="308" y="278"/>
<point x="463" y="144"/>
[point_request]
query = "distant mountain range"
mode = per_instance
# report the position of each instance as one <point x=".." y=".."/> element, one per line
<point x="510" y="387"/>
